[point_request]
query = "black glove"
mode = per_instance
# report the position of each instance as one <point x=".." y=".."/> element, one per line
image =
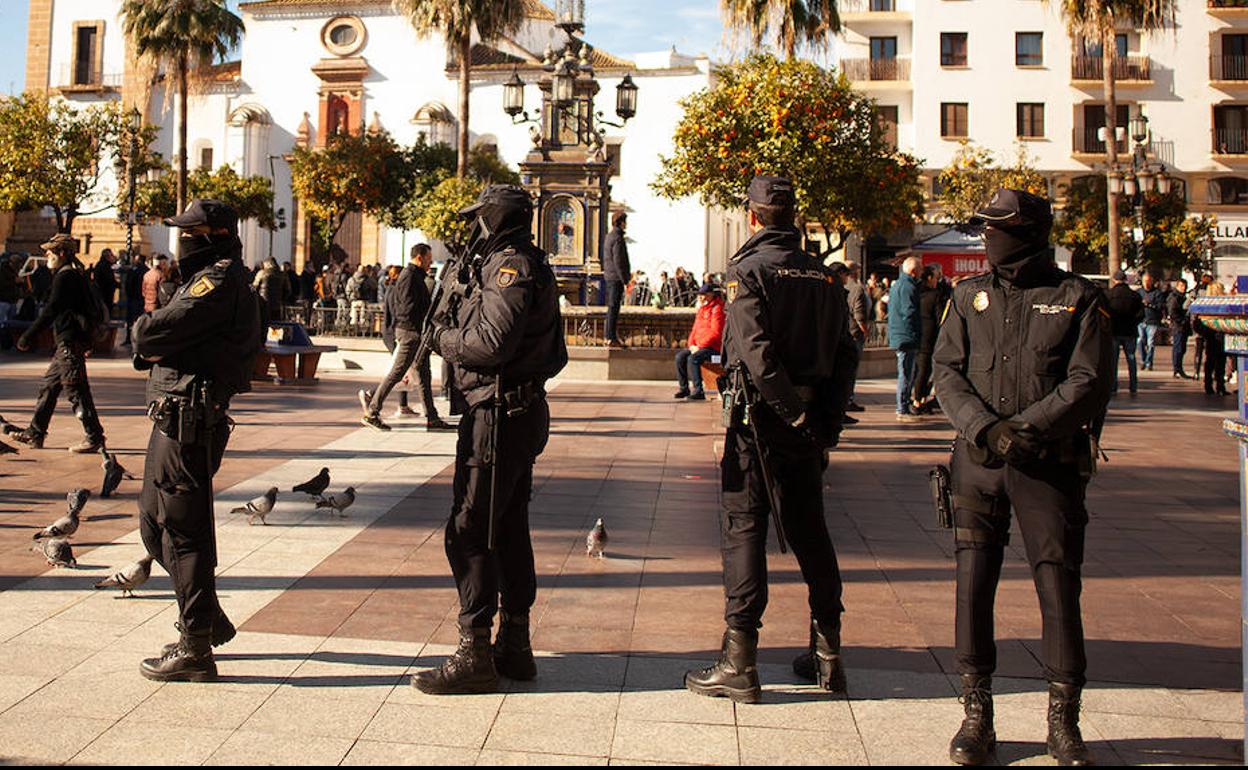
<point x="141" y="364"/>
<point x="1014" y="442"/>
<point x="435" y="337"/>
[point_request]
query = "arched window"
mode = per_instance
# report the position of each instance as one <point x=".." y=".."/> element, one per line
<point x="1228" y="191"/>
<point x="436" y="123"/>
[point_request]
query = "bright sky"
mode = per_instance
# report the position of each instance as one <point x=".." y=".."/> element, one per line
<point x="618" y="26"/>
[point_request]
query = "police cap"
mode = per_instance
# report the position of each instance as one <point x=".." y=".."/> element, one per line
<point x="214" y="214"/>
<point x="61" y="243"/>
<point x="771" y="191"/>
<point x="504" y="197"/>
<point x="1014" y="209"/>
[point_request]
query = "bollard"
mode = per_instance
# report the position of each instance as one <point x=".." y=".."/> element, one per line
<point x="1230" y="315"/>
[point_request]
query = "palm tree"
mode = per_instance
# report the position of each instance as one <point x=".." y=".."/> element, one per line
<point x="812" y="22"/>
<point x="1099" y="20"/>
<point x="182" y="37"/>
<point x="456" y="20"/>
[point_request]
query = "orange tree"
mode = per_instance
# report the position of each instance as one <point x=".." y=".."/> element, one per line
<point x="798" y="120"/>
<point x="363" y="172"/>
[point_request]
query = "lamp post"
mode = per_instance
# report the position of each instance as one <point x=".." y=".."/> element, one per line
<point x="1138" y="177"/>
<point x="134" y="124"/>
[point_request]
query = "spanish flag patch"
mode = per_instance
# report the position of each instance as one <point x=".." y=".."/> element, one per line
<point x="507" y="276"/>
<point x="202" y="288"/>
<point x="730" y="289"/>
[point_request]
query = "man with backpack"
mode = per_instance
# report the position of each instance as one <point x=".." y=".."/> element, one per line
<point x="74" y="313"/>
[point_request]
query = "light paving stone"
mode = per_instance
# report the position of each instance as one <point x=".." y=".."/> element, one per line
<point x="187" y="703"/>
<point x="26" y="738"/>
<point x="907" y="731"/>
<point x="601" y="670"/>
<point x="14" y="687"/>
<point x="519" y="758"/>
<point x="772" y="746"/>
<point x="344" y="681"/>
<point x="251" y="748"/>
<point x="802" y="707"/>
<point x="675" y="706"/>
<point x="581" y="736"/>
<point x="49" y="660"/>
<point x="405" y="694"/>
<point x="1212" y="705"/>
<point x="101" y="696"/>
<point x="540" y="697"/>
<point x="308" y="713"/>
<point x="672" y="742"/>
<point x="152" y="743"/>
<point x="366" y="752"/>
<point x="1160" y="736"/>
<point x="654" y="673"/>
<point x="431" y="725"/>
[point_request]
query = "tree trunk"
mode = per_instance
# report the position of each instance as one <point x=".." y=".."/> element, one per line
<point x="1108" y="53"/>
<point x="183" y="89"/>
<point x="465" y="88"/>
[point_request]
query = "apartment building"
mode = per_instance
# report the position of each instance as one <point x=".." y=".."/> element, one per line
<point x="1003" y="72"/>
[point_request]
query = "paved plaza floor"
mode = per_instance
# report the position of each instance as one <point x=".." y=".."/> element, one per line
<point x="335" y="614"/>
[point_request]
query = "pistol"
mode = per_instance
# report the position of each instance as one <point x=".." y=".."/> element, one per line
<point x="942" y="496"/>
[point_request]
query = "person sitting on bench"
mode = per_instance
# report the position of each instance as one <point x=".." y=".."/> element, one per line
<point x="705" y="341"/>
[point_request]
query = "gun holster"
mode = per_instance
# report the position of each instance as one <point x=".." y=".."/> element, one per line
<point x="186" y="418"/>
<point x="941" y="484"/>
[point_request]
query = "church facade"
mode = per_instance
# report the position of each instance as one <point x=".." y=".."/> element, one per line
<point x="306" y="68"/>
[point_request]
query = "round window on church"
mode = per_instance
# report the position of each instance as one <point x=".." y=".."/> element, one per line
<point x="343" y="35"/>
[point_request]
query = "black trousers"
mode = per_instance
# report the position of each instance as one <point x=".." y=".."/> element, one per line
<point x="407" y="345"/>
<point x="797" y="467"/>
<point x="68" y="372"/>
<point x="615" y="297"/>
<point x="176" y="521"/>
<point x="922" y="375"/>
<point x="504" y="577"/>
<point x="1047" y="498"/>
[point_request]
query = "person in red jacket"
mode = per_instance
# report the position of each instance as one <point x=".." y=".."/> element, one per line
<point x="705" y="341"/>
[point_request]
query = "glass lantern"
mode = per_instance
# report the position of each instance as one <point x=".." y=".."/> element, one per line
<point x="513" y="95"/>
<point x="626" y="98"/>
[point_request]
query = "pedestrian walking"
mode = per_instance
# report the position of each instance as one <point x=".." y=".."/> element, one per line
<point x="1126" y="311"/>
<point x="1180" y="325"/>
<point x="905" y="332"/>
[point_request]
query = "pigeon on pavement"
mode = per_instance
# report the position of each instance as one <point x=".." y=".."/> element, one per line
<point x="76" y="500"/>
<point x="596" y="541"/>
<point x="129" y="577"/>
<point x="315" y="486"/>
<point x="340" y="502"/>
<point x="57" y="551"/>
<point x="7" y="427"/>
<point x="6" y="449"/>
<point x="65" y="526"/>
<point x="113" y="473"/>
<point x="259" y="507"/>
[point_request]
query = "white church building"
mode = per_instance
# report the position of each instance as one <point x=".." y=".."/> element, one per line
<point x="306" y="66"/>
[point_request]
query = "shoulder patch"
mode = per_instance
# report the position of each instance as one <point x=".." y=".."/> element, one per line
<point x="730" y="290"/>
<point x="507" y="276"/>
<point x="202" y="287"/>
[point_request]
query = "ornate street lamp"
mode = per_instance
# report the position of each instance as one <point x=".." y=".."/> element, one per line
<point x="513" y="95"/>
<point x="570" y="15"/>
<point x="626" y="98"/>
<point x="1137" y="177"/>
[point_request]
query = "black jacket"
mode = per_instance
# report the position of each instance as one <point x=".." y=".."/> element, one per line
<point x="307" y="285"/>
<point x="931" y="305"/>
<point x="1154" y="305"/>
<point x="788" y="324"/>
<point x="1176" y="310"/>
<point x="211" y="330"/>
<point x="67" y="310"/>
<point x="103" y="276"/>
<point x="507" y="320"/>
<point x="1042" y="353"/>
<point x="1126" y="310"/>
<point x="615" y="264"/>
<point x="408" y="299"/>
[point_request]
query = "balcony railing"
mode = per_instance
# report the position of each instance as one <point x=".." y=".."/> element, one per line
<point x="1230" y="141"/>
<point x="1088" y="141"/>
<point x="1228" y="3"/>
<point x="868" y="6"/>
<point x="82" y="77"/>
<point x="1125" y="68"/>
<point x="1228" y="67"/>
<point x="894" y="69"/>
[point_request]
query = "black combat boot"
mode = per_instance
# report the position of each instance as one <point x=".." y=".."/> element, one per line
<point x="190" y="660"/>
<point x="469" y="670"/>
<point x="1065" y="741"/>
<point x="735" y="674"/>
<point x="29" y="437"/>
<point x="222" y="631"/>
<point x="821" y="663"/>
<point x="976" y="739"/>
<point x="513" y="657"/>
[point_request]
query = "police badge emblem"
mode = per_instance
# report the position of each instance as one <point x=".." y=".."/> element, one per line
<point x="731" y="290"/>
<point x="506" y="276"/>
<point x="981" y="302"/>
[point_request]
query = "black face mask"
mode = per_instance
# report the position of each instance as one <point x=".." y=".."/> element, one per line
<point x="195" y="252"/>
<point x="1020" y="256"/>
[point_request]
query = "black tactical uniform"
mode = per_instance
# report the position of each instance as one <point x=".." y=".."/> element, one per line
<point x="503" y="336"/>
<point x="1023" y="370"/>
<point x="201" y="348"/>
<point x="787" y="344"/>
<point x="71" y="312"/>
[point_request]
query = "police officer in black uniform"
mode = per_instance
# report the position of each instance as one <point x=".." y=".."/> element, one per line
<point x="502" y="333"/>
<point x="200" y="348"/>
<point x="787" y="347"/>
<point x="1023" y="369"/>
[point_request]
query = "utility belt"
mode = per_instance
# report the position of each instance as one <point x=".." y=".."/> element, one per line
<point x="187" y="419"/>
<point x="516" y="399"/>
<point x="737" y="392"/>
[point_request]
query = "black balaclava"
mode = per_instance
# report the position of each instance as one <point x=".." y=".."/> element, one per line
<point x="198" y="251"/>
<point x="1019" y="255"/>
<point x="496" y="225"/>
